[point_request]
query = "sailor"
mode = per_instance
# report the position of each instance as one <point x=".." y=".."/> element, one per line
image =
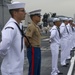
<point x="12" y="44"/>
<point x="55" y="44"/>
<point x="34" y="36"/>
<point x="64" y="41"/>
<point x="72" y="32"/>
<point x="73" y="24"/>
<point x="71" y="43"/>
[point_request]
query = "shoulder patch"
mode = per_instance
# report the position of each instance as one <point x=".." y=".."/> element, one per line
<point x="9" y="28"/>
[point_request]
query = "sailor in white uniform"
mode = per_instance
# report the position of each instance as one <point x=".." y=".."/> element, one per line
<point x="54" y="46"/>
<point x="71" y="43"/>
<point x="64" y="41"/>
<point x="12" y="44"/>
<point x="73" y="24"/>
<point x="72" y="32"/>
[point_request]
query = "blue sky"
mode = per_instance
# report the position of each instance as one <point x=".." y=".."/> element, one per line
<point x="61" y="7"/>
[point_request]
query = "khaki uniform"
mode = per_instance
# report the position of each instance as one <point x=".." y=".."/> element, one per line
<point x="33" y="31"/>
<point x="34" y="52"/>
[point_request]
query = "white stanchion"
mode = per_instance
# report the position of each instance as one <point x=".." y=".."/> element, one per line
<point x="71" y="66"/>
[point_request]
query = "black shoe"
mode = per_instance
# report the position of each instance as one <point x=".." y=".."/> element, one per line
<point x="65" y="65"/>
<point x="69" y="59"/>
<point x="60" y="73"/>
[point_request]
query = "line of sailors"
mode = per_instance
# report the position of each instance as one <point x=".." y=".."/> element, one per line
<point x="62" y="35"/>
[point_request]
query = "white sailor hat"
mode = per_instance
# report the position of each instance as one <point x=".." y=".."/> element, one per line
<point x="35" y="12"/>
<point x="65" y="19"/>
<point x="70" y="19"/>
<point x="56" y="19"/>
<point x="16" y="5"/>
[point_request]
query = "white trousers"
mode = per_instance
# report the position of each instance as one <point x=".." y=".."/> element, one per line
<point x="55" y="52"/>
<point x="70" y="45"/>
<point x="14" y="73"/>
<point x="64" y="50"/>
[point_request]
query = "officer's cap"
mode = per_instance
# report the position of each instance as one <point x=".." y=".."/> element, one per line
<point x="56" y="19"/>
<point x="16" y="5"/>
<point x="35" y="12"/>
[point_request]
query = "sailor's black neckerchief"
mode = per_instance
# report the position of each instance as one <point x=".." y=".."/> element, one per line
<point x="21" y="30"/>
<point x="72" y="28"/>
<point x="66" y="29"/>
<point x="22" y="40"/>
<point x="59" y="31"/>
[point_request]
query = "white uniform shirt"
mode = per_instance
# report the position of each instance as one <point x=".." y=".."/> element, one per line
<point x="54" y="37"/>
<point x="69" y="29"/>
<point x="63" y="31"/>
<point x="10" y="48"/>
